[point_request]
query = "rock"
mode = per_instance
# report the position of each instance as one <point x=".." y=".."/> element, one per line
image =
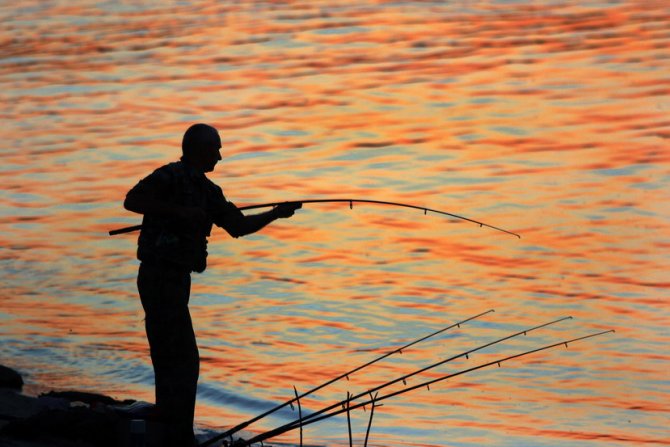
<point x="10" y="378"/>
<point x="14" y="405"/>
<point x="92" y="399"/>
<point x="98" y="428"/>
<point x="72" y="418"/>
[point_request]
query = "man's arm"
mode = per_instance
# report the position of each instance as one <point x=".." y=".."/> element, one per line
<point x="237" y="224"/>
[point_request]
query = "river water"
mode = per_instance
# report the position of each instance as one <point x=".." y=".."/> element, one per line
<point x="549" y="119"/>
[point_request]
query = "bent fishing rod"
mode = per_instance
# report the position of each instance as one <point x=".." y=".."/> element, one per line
<point x="404" y="378"/>
<point x="245" y="424"/>
<point x="351" y="205"/>
<point x="373" y="400"/>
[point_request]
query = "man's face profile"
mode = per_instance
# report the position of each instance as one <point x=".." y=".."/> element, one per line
<point x="210" y="154"/>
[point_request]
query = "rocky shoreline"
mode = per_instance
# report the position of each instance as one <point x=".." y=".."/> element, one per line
<point x="71" y="418"/>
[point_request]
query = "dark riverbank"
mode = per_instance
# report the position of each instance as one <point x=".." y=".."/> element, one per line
<point x="69" y="418"/>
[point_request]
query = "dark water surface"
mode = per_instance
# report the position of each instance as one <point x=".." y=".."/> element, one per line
<point x="550" y="119"/>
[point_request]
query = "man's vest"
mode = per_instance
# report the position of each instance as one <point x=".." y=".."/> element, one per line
<point x="173" y="241"/>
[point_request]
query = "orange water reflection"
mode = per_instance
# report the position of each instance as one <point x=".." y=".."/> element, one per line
<point x="550" y="120"/>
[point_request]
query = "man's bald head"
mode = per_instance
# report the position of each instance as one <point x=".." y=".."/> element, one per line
<point x="200" y="146"/>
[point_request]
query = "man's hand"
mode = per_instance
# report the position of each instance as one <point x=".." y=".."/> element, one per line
<point x="286" y="209"/>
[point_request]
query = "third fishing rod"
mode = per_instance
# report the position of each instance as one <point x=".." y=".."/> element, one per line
<point x="351" y="204"/>
<point x="272" y="433"/>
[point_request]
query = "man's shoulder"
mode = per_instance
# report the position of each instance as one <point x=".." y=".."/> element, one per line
<point x="173" y="167"/>
<point x="168" y="168"/>
<point x="163" y="175"/>
<point x="171" y="171"/>
<point x="213" y="187"/>
<point x="180" y="172"/>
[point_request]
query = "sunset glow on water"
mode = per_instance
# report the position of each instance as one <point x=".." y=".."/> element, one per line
<point x="549" y="119"/>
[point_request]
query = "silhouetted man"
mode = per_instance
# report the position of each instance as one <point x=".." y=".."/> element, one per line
<point x="180" y="204"/>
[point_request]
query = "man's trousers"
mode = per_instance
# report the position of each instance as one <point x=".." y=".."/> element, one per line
<point x="164" y="291"/>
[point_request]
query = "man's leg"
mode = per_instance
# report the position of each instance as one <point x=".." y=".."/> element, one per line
<point x="174" y="353"/>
